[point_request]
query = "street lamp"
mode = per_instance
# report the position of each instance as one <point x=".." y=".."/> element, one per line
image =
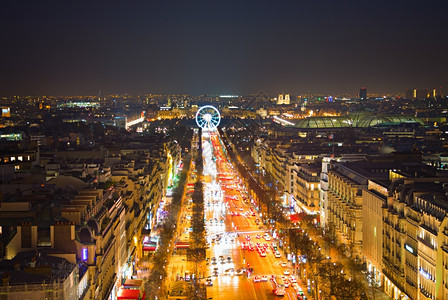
<point x="244" y="256"/>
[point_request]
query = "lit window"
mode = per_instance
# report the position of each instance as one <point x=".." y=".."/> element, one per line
<point x="13" y="158"/>
<point x="84" y="253"/>
<point x="20" y="158"/>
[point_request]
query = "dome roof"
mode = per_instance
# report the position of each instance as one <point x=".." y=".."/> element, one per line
<point x="354" y="120"/>
<point x="93" y="224"/>
<point x="85" y="235"/>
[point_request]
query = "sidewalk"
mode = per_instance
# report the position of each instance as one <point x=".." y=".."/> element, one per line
<point x="176" y="267"/>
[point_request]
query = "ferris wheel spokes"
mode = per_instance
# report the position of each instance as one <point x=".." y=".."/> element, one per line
<point x="208" y="117"/>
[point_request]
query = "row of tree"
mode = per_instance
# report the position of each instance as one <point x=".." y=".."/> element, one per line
<point x="155" y="286"/>
<point x="265" y="194"/>
<point x="196" y="253"/>
<point x="328" y="279"/>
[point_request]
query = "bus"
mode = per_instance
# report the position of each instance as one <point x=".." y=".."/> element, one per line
<point x="279" y="289"/>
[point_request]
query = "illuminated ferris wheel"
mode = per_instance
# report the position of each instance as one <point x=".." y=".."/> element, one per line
<point x="208" y="117"/>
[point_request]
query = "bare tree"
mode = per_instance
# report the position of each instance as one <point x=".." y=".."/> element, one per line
<point x="197" y="290"/>
<point x="335" y="283"/>
<point x="330" y="278"/>
<point x="351" y="288"/>
<point x="315" y="259"/>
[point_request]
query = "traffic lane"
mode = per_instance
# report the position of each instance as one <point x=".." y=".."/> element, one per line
<point x="263" y="266"/>
<point x="249" y="225"/>
<point x="271" y="267"/>
<point x="242" y="224"/>
<point x="230" y="287"/>
<point x="268" y="266"/>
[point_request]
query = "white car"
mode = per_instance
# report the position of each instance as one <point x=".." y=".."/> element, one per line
<point x="267" y="237"/>
<point x="229" y="272"/>
<point x="264" y="278"/>
<point x="277" y="254"/>
<point x="286" y="272"/>
<point x="292" y="279"/>
<point x="284" y="264"/>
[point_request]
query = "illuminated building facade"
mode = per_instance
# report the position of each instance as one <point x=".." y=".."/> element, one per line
<point x="345" y="206"/>
<point x="283" y="99"/>
<point x="374" y="197"/>
<point x="414" y="251"/>
<point x="306" y="187"/>
<point x="393" y="244"/>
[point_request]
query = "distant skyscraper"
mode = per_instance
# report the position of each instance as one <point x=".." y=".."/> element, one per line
<point x="420" y="94"/>
<point x="283" y="99"/>
<point x="434" y="93"/>
<point x="363" y="93"/>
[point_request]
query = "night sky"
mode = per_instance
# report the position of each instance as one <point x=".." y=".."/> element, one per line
<point x="221" y="47"/>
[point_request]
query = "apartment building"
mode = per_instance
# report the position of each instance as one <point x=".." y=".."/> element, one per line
<point x="306" y="187"/>
<point x="345" y="205"/>
<point x="414" y="252"/>
<point x="374" y="198"/>
<point x="97" y="224"/>
<point x="290" y="168"/>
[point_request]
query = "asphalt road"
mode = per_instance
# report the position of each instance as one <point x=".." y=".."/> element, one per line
<point x="230" y="217"/>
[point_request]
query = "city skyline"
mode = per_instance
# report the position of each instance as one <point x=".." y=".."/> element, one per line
<point x="221" y="48"/>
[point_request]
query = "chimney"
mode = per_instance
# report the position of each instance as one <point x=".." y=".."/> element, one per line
<point x="33" y="262"/>
<point x="17" y="267"/>
<point x="5" y="279"/>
